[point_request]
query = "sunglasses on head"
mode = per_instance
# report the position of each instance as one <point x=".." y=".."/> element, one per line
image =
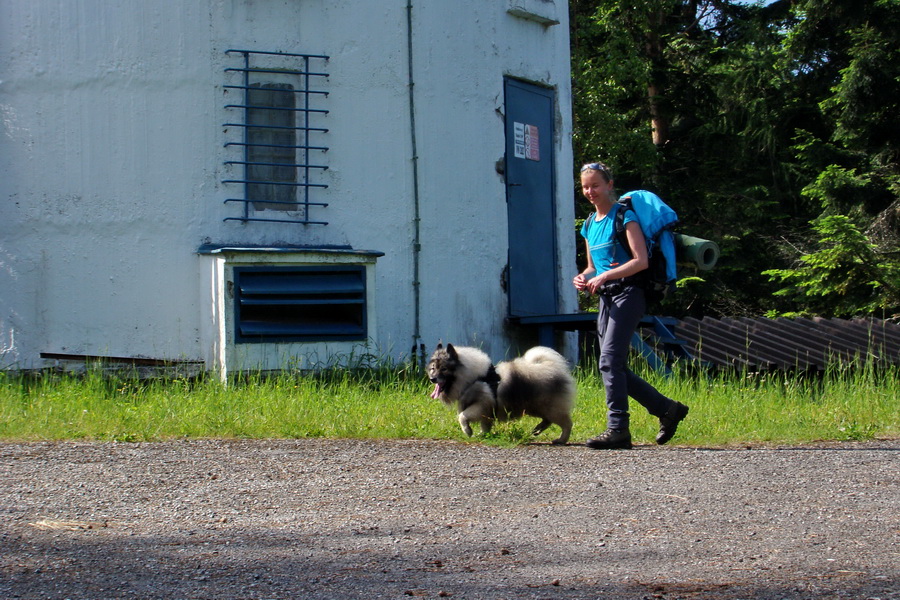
<point x="596" y="167"/>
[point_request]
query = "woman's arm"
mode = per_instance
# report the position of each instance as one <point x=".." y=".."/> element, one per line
<point x="580" y="281"/>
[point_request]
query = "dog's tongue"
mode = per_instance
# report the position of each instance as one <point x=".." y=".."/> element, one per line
<point x="437" y="391"/>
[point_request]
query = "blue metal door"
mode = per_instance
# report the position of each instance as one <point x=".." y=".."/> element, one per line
<point x="532" y="277"/>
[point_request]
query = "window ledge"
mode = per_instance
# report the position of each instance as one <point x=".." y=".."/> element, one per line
<point x="540" y="11"/>
<point x="286" y="249"/>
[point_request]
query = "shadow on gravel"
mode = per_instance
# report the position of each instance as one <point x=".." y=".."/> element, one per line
<point x="366" y="564"/>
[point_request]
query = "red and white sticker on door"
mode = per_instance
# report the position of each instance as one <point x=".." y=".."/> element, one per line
<point x="527" y="142"/>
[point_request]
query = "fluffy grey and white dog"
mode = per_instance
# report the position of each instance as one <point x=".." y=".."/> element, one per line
<point x="538" y="384"/>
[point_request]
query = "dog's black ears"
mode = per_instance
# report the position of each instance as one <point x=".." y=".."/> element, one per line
<point x="450" y="350"/>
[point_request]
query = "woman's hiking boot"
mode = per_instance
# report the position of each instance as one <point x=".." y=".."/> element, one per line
<point x="611" y="439"/>
<point x="668" y="423"/>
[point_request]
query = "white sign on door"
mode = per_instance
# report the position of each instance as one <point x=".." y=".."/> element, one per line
<point x="527" y="141"/>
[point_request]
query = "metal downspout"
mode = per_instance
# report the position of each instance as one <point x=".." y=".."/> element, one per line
<point x="418" y="349"/>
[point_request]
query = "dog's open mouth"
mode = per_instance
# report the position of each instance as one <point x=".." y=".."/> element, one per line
<point x="436" y="394"/>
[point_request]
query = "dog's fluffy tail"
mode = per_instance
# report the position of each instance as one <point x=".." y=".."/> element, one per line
<point x="542" y="355"/>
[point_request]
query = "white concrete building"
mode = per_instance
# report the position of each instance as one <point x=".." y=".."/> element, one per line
<point x="260" y="184"/>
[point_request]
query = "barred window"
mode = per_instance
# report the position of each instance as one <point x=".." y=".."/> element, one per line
<point x="278" y="134"/>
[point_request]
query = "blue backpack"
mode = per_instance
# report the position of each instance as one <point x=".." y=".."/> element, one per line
<point x="657" y="219"/>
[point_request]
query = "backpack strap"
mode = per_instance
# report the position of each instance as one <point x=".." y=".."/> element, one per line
<point x="623" y="205"/>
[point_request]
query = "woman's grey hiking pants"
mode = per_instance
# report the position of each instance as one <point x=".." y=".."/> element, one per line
<point x="620" y="314"/>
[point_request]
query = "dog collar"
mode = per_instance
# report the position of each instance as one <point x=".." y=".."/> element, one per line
<point x="492" y="379"/>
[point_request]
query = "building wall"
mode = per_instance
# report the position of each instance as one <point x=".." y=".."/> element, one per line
<point x="112" y="162"/>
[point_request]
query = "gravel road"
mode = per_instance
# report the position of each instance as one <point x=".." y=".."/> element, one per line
<point x="429" y="519"/>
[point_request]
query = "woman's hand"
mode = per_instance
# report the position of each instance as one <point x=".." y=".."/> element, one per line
<point x="580" y="282"/>
<point x="594" y="283"/>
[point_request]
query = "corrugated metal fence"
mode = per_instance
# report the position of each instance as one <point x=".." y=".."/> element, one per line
<point x="789" y="344"/>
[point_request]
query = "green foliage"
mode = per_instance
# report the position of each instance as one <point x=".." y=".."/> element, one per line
<point x="849" y="51"/>
<point x="767" y="118"/>
<point x="843" y="276"/>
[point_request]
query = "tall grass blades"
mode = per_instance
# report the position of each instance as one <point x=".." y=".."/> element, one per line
<point x="848" y="404"/>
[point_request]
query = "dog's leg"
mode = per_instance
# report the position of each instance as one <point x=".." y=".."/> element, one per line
<point x="464" y="423"/>
<point x="566" y="424"/>
<point x="474" y="414"/>
<point x="540" y="427"/>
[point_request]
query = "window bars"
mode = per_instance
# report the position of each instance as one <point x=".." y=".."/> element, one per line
<point x="277" y="135"/>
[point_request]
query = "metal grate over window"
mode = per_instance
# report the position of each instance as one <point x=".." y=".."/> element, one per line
<point x="283" y="304"/>
<point x="276" y="135"/>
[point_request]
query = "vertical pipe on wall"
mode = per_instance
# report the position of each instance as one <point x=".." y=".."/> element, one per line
<point x="417" y="247"/>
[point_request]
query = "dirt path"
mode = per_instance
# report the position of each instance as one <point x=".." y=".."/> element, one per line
<point x="398" y="519"/>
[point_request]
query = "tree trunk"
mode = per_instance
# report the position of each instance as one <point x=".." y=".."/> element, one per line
<point x="659" y="121"/>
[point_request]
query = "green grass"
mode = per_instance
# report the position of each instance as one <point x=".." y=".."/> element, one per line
<point x="732" y="409"/>
<point x="395" y="403"/>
